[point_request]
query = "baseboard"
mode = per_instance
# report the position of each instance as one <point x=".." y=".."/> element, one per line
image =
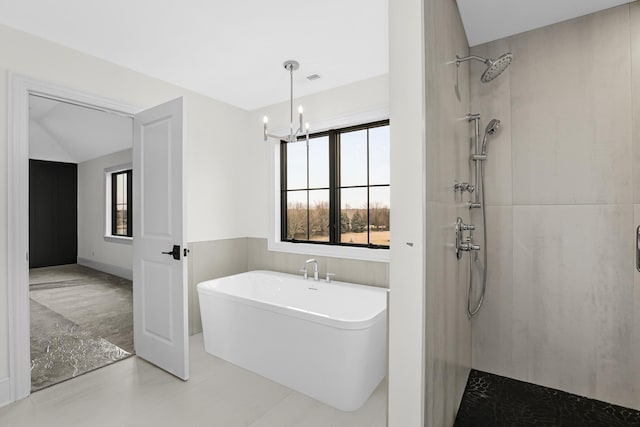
<point x="125" y="273"/>
<point x="5" y="392"/>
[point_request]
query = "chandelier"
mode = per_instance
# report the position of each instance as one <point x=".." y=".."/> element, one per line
<point x="290" y="66"/>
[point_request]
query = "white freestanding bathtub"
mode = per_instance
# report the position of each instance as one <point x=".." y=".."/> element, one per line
<point x="326" y="340"/>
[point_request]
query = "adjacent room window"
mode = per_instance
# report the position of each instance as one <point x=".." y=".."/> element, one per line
<point x="120" y="206"/>
<point x="335" y="190"/>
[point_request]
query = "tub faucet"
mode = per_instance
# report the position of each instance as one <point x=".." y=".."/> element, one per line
<point x="315" y="268"/>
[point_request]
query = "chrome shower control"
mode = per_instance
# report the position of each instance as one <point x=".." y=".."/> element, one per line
<point x="462" y="244"/>
<point x="463" y="186"/>
<point x="469" y="246"/>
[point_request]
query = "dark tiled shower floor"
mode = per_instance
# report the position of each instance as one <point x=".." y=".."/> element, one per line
<point x="492" y="400"/>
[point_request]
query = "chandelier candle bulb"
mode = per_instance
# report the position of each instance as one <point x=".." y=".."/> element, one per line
<point x="265" y="120"/>
<point x="301" y="118"/>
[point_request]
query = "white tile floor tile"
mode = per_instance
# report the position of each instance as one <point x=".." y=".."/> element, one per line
<point x="219" y="394"/>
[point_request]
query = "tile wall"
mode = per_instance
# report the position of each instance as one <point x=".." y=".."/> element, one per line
<point x="447" y="329"/>
<point x="219" y="258"/>
<point x="563" y="202"/>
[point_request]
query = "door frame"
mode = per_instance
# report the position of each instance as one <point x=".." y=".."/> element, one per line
<point x="20" y="87"/>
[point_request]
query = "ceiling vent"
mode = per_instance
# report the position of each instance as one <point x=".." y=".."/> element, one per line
<point x="313" y="77"/>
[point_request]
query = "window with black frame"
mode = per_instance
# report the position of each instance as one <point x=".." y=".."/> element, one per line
<point x="335" y="189"/>
<point x="121" y="190"/>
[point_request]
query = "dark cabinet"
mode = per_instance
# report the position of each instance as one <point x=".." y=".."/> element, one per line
<point x="53" y="213"/>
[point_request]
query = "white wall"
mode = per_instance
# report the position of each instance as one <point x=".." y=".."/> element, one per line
<point x="92" y="246"/>
<point x="407" y="268"/>
<point x="215" y="146"/>
<point x="563" y="180"/>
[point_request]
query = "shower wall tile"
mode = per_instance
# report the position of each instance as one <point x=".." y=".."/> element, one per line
<point x="493" y="101"/>
<point x="210" y="260"/>
<point x="567" y="314"/>
<point x="573" y="299"/>
<point x="571" y="112"/>
<point x="493" y="330"/>
<point x="446" y="108"/>
<point x="448" y="331"/>
<point x="635" y="94"/>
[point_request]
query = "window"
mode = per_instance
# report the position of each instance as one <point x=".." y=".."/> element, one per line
<point x="335" y="190"/>
<point x="120" y="203"/>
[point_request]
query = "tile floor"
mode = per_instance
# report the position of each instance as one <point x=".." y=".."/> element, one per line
<point x="133" y="392"/>
<point x="496" y="401"/>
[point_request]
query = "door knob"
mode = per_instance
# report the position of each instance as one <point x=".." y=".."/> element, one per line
<point x="175" y="252"/>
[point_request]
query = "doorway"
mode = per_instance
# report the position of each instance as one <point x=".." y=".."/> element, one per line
<point x="155" y="130"/>
<point x="80" y="268"/>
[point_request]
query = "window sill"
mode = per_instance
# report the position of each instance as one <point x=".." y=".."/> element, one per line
<point x="363" y="254"/>
<point x="118" y="239"/>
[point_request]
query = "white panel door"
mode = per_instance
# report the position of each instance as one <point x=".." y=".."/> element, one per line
<point x="159" y="272"/>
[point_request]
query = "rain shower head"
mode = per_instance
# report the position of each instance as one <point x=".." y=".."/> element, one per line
<point x="495" y="67"/>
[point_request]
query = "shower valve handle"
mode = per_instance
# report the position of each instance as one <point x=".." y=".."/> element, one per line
<point x="462" y="244"/>
<point x="469" y="246"/>
<point x="463" y="186"/>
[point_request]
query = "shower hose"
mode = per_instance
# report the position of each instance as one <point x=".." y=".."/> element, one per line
<point x="475" y="258"/>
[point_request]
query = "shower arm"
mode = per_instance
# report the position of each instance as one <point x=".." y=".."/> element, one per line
<point x="467" y="58"/>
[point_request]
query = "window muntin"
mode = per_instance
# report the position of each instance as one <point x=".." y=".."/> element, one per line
<point x="121" y="192"/>
<point x="335" y="190"/>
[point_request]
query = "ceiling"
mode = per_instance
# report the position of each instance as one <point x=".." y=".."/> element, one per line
<point x="233" y="51"/>
<point x="64" y="132"/>
<point x="488" y="20"/>
<point x="230" y="50"/>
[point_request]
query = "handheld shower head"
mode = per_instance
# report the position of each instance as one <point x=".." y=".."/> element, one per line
<point x="491" y="128"/>
<point x="495" y="67"/>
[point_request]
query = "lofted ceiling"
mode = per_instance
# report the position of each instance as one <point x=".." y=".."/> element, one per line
<point x="488" y="20"/>
<point x="63" y="132"/>
<point x="232" y="51"/>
